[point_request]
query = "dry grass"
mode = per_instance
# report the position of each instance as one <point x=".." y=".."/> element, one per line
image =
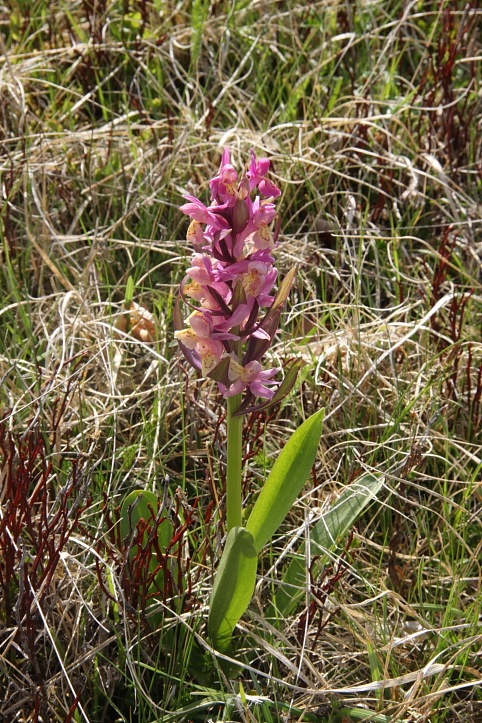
<point x="371" y="114"/>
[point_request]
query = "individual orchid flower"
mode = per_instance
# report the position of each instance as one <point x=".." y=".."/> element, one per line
<point x="257" y="234"/>
<point x="204" y="324"/>
<point x="257" y="277"/>
<point x="251" y="376"/>
<point x="256" y="174"/>
<point x="224" y="185"/>
<point x="200" y="213"/>
<point x="209" y="351"/>
<point x="205" y="285"/>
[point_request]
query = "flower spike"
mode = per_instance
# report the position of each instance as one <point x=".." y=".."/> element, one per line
<point x="232" y="274"/>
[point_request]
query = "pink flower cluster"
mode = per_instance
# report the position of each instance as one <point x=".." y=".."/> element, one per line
<point x="230" y="280"/>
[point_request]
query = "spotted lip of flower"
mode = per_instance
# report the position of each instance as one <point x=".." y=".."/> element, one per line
<point x="204" y="283"/>
<point x="195" y="234"/>
<point x="207" y="352"/>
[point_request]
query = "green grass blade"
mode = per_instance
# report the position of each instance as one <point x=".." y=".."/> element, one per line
<point x="285" y="481"/>
<point x="233" y="587"/>
<point x="199" y="15"/>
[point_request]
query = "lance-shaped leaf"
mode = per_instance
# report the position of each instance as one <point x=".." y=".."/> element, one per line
<point x="286" y="480"/>
<point x="138" y="506"/>
<point x="140" y="510"/>
<point x="329" y="529"/>
<point x="233" y="587"/>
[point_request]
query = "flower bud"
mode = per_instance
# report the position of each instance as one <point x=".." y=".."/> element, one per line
<point x="240" y="215"/>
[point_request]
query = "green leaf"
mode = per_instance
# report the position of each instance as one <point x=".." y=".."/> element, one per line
<point x="199" y="16"/>
<point x="130" y="290"/>
<point x="286" y="480"/>
<point x="15" y="24"/>
<point x="324" y="537"/>
<point x="143" y="505"/>
<point x="233" y="587"/>
<point x="138" y="505"/>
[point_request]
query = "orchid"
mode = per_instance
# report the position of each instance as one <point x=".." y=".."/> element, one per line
<point x="234" y="314"/>
<point x="233" y="319"/>
<point x="231" y="277"/>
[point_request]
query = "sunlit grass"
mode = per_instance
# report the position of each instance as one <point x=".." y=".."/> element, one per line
<point x="370" y="114"/>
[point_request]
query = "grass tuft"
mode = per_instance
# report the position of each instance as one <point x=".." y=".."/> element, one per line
<point x="371" y="114"/>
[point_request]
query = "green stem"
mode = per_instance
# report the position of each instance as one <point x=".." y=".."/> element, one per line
<point x="234" y="500"/>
